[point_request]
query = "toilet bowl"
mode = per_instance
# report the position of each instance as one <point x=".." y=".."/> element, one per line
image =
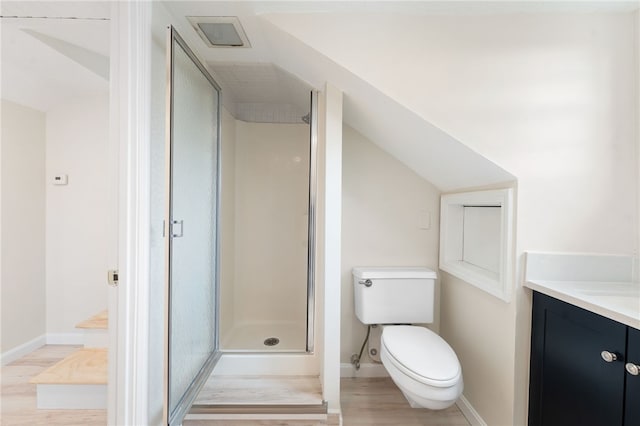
<point x="422" y="365"/>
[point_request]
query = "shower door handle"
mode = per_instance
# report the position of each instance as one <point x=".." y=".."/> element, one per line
<point x="175" y="225"/>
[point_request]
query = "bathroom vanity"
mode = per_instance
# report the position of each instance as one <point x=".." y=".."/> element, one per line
<point x="585" y="340"/>
<point x="578" y="360"/>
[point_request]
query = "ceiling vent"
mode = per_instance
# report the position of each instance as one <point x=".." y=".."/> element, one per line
<point x="220" y="31"/>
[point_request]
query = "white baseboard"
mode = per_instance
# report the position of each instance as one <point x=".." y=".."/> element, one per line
<point x="469" y="412"/>
<point x="25" y="348"/>
<point x="366" y="370"/>
<point x="76" y="338"/>
<point x="95" y="338"/>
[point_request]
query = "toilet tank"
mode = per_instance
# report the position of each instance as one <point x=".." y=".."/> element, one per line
<point x="395" y="296"/>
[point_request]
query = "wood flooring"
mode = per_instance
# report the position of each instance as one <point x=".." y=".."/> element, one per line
<point x="373" y="401"/>
<point x="377" y="402"/>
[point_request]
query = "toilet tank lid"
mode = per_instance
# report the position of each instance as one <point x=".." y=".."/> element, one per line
<point x="397" y="272"/>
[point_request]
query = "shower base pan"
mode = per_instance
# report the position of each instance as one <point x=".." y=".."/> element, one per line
<point x="265" y="337"/>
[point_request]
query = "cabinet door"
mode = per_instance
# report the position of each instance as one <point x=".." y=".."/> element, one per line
<point x="570" y="382"/>
<point x="632" y="397"/>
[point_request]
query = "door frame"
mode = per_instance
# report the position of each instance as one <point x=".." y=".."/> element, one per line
<point x="130" y="109"/>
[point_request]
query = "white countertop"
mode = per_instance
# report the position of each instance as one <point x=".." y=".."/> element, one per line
<point x="619" y="301"/>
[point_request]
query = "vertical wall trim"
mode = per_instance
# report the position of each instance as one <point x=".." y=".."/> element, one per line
<point x="112" y="256"/>
<point x="637" y="136"/>
<point x="332" y="246"/>
<point x="131" y="127"/>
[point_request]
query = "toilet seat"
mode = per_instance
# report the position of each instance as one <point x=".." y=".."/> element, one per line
<point x="422" y="355"/>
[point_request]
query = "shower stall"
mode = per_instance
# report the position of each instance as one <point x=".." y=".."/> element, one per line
<point x="267" y="211"/>
<point x="235" y="242"/>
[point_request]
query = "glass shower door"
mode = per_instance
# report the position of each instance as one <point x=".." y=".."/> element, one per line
<point x="192" y="214"/>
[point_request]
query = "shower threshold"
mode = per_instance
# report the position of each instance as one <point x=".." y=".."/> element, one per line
<point x="260" y="397"/>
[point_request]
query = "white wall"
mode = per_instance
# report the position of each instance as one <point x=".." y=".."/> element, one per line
<point x="382" y="205"/>
<point x="552" y="99"/>
<point x="271" y="222"/>
<point x="557" y="112"/>
<point x="23" y="225"/>
<point x="76" y="223"/>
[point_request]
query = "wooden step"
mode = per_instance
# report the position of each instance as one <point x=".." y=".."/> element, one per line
<point x="98" y="321"/>
<point x="96" y="330"/>
<point x="86" y="366"/>
<point x="79" y="381"/>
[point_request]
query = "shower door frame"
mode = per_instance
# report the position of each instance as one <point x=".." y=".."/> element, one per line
<point x="187" y="399"/>
<point x="311" y="247"/>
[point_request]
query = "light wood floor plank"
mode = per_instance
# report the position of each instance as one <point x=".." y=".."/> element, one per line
<point x="377" y="401"/>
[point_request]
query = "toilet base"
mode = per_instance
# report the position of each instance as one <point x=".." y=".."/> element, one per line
<point x="426" y="403"/>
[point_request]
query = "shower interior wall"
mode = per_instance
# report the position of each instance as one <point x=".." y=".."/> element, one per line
<point x="265" y="175"/>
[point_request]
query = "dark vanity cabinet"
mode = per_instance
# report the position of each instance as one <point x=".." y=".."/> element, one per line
<point x="632" y="364"/>
<point x="578" y="370"/>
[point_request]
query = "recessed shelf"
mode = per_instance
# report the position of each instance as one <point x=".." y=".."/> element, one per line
<point x="476" y="239"/>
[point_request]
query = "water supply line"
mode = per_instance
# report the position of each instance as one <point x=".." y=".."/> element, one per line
<point x="355" y="358"/>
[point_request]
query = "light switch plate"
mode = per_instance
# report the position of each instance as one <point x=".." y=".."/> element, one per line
<point x="424" y="219"/>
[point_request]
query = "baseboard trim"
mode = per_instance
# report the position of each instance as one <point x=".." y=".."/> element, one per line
<point x="366" y="370"/>
<point x="65" y="338"/>
<point x="22" y="350"/>
<point x="469" y="412"/>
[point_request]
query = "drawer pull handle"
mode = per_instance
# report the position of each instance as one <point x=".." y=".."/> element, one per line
<point x="608" y="356"/>
<point x="632" y="369"/>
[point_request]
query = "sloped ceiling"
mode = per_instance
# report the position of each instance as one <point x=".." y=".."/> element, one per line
<point x="47" y="58"/>
<point x="430" y="152"/>
<point x="262" y="92"/>
<point x="427" y="150"/>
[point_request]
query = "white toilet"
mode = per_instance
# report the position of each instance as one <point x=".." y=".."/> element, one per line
<point x="420" y="362"/>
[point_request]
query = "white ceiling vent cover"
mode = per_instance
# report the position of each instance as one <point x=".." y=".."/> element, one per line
<point x="220" y="31"/>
